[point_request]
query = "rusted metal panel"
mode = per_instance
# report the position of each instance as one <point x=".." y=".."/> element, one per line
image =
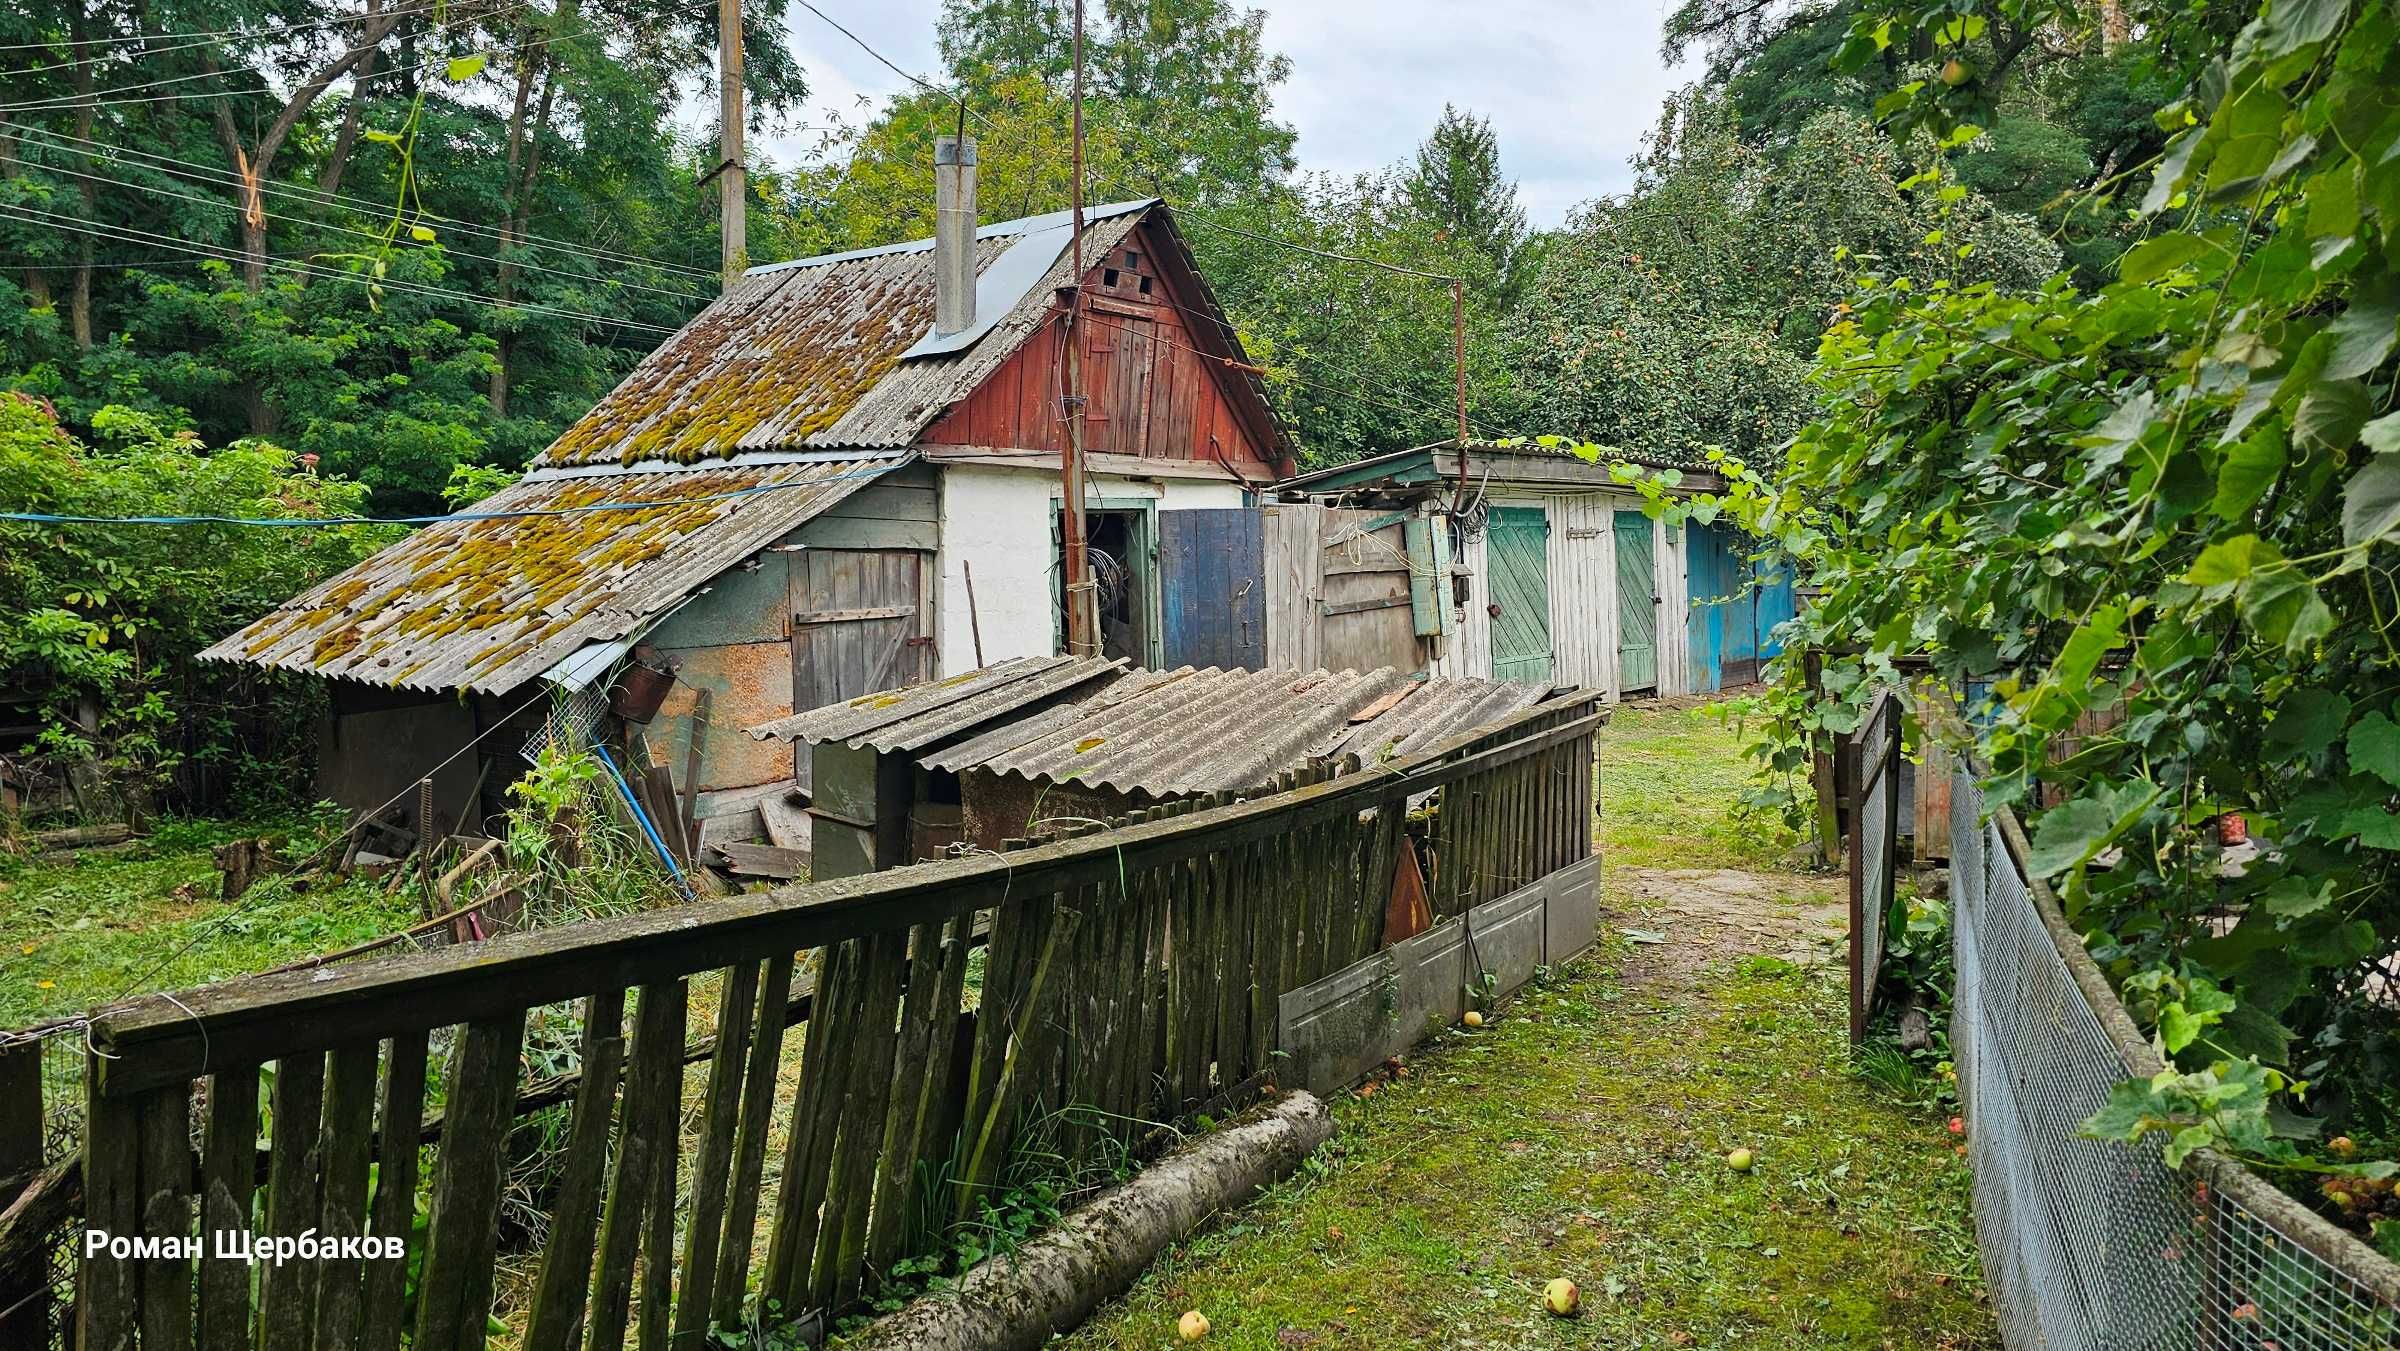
<point x="491" y="599"/>
<point x="746" y="683"/>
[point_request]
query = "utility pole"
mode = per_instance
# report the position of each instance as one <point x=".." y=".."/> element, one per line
<point x="1083" y="601"/>
<point x="733" y="192"/>
<point x="1458" y="359"/>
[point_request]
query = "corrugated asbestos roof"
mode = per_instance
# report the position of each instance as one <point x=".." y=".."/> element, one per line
<point x="921" y="715"/>
<point x="1161" y="732"/>
<point x="486" y="604"/>
<point x="807" y="355"/>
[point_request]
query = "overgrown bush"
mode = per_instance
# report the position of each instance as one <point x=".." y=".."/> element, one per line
<point x="99" y="623"/>
<point x="2173" y="502"/>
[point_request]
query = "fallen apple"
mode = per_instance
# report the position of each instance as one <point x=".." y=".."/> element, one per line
<point x="1473" y="1019"/>
<point x="1958" y="1125"/>
<point x="1562" y="1298"/>
<point x="1740" y="1160"/>
<point x="1192" y="1326"/>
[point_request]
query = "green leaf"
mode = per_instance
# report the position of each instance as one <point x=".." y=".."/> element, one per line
<point x="2250" y="467"/>
<point x="2374" y="746"/>
<point x="2332" y="414"/>
<point x="421" y="234"/>
<point x="2297" y="897"/>
<point x="2309" y="720"/>
<point x="2093" y="639"/>
<point x="2231" y="560"/>
<point x="2382" y="435"/>
<point x="2154" y="258"/>
<point x="2178" y="1028"/>
<point x="2364" y="335"/>
<point x="2288" y="25"/>
<point x="2337" y="944"/>
<point x="2068" y="835"/>
<point x="464" y="68"/>
<point x="2371" y="502"/>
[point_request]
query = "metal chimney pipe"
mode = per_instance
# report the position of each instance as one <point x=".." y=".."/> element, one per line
<point x="953" y="234"/>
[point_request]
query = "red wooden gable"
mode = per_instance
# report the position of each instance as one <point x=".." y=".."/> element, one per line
<point x="1155" y="388"/>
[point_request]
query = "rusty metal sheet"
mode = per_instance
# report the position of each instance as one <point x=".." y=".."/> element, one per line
<point x="488" y="602"/>
<point x="746" y="682"/>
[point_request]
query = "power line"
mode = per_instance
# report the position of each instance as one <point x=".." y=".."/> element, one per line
<point x="236" y="207"/>
<point x="918" y="80"/>
<point x="527" y="513"/>
<point x="203" y="35"/>
<point x="209" y="41"/>
<point x="166" y="164"/>
<point x="128" y="235"/>
<point x="106" y="99"/>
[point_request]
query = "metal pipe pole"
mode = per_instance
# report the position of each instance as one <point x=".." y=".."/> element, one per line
<point x="1458" y="357"/>
<point x="1083" y="618"/>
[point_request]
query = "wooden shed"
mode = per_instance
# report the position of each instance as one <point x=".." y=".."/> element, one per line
<point x="1550" y="570"/>
<point x="810" y="494"/>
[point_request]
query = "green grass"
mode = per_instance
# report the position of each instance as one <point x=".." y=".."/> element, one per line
<point x="1583" y="1135"/>
<point x="89" y="930"/>
<point x="1670" y="787"/>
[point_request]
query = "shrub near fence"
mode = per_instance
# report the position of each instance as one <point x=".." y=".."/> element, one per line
<point x="1132" y="975"/>
<point x="2099" y="1245"/>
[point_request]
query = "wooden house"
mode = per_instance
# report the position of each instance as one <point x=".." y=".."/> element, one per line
<point x="831" y="482"/>
<point x="1552" y="572"/>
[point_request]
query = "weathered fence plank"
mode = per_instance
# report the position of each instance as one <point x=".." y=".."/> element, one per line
<point x="1133" y="977"/>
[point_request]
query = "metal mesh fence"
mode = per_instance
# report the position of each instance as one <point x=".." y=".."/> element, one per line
<point x="2092" y="1244"/>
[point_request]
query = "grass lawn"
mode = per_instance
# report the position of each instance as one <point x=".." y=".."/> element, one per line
<point x="147" y="918"/>
<point x="1584" y="1133"/>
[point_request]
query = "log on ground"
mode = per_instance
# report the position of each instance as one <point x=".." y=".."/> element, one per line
<point x="1054" y="1281"/>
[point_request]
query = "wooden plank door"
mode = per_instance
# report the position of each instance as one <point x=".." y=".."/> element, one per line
<point x="1118" y="352"/>
<point x="1212" y="572"/>
<point x="1637" y="603"/>
<point x="859" y="626"/>
<point x="1517" y="550"/>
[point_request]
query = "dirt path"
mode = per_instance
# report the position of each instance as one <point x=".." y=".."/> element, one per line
<point x="1584" y="1134"/>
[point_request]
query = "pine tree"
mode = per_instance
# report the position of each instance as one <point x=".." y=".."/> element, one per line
<point x="1457" y="185"/>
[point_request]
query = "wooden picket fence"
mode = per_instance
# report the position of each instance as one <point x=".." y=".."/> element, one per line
<point x="1131" y="979"/>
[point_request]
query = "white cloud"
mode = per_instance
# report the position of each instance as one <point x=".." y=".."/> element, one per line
<point x="1570" y="86"/>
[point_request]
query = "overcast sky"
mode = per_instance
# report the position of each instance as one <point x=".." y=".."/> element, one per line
<point x="1569" y="85"/>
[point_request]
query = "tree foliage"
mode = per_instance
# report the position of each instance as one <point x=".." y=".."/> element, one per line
<point x="400" y="239"/>
<point x="2172" y="502"/>
<point x="99" y="624"/>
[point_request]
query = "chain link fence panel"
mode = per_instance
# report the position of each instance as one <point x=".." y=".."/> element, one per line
<point x="2091" y="1245"/>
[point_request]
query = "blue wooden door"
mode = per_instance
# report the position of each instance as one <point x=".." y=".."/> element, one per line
<point x="1637" y="603"/>
<point x="1212" y="570"/>
<point x="1517" y="552"/>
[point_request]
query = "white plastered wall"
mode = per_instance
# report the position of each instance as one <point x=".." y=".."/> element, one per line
<point x="996" y="520"/>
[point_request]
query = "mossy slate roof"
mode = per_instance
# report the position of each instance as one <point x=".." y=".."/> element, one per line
<point x="488" y="599"/>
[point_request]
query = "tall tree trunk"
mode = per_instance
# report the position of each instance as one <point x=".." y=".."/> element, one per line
<point x="35" y="280"/>
<point x="256" y="162"/>
<point x="520" y="212"/>
<point x="345" y="141"/>
<point x="506" y="284"/>
<point x="87" y="111"/>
